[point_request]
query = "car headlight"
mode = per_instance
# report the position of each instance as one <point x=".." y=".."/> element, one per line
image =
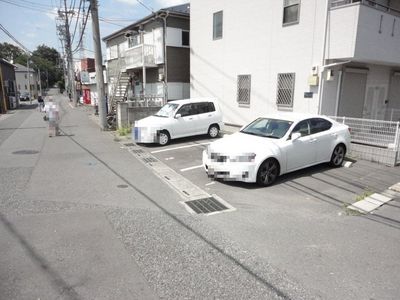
<point x="246" y="157"/>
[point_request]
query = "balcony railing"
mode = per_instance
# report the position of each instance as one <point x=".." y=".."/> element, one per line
<point x="371" y="3"/>
<point x="134" y="57"/>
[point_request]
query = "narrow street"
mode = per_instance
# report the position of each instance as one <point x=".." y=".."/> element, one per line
<point x="85" y="215"/>
<point x="81" y="218"/>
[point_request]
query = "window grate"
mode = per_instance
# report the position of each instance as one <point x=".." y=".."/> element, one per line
<point x="243" y="89"/>
<point x="285" y="90"/>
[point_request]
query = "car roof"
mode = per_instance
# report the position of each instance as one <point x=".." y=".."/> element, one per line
<point x="295" y="117"/>
<point x="193" y="100"/>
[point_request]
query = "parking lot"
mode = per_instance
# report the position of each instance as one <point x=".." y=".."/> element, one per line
<point x="301" y="224"/>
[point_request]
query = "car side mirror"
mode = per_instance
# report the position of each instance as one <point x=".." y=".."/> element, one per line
<point x="177" y="116"/>
<point x="296" y="136"/>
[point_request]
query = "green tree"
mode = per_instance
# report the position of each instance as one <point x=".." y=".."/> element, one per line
<point x="48" y="61"/>
<point x="9" y="51"/>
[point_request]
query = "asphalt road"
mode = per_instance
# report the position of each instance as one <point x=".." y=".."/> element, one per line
<point x="81" y="217"/>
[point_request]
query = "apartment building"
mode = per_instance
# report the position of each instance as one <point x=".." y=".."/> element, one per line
<point x="150" y="59"/>
<point x="335" y="57"/>
<point x="27" y="81"/>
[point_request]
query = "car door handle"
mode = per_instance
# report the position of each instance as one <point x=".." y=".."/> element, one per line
<point x="334" y="134"/>
<point x="210" y="115"/>
<point x="190" y="118"/>
<point x="313" y="140"/>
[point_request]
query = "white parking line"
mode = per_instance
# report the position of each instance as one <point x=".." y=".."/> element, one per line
<point x="210" y="183"/>
<point x="181" y="147"/>
<point x="191" y="168"/>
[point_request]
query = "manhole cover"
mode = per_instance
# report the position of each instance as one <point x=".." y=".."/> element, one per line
<point x="206" y="205"/>
<point x="122" y="186"/>
<point x="26" y="152"/>
<point x="149" y="160"/>
<point x="130" y="144"/>
<point x="138" y="151"/>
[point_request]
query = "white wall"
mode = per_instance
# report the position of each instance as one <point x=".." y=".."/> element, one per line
<point x="254" y="42"/>
<point x="356" y="32"/>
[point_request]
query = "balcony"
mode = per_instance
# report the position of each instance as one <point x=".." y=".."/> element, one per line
<point x="139" y="56"/>
<point x="364" y="31"/>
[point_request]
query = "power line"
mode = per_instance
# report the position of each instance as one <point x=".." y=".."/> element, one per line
<point x="83" y="30"/>
<point x="13" y="38"/>
<point x="77" y="21"/>
<point x="145" y="6"/>
<point x="43" y="10"/>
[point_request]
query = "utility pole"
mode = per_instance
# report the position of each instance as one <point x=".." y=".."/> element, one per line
<point x="28" y="74"/>
<point x="40" y="83"/>
<point x="71" y="73"/>
<point x="99" y="64"/>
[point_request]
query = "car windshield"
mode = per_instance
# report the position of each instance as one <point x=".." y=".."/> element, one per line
<point x="270" y="128"/>
<point x="167" y="110"/>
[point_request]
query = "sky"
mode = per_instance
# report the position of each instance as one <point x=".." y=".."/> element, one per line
<point x="33" y="22"/>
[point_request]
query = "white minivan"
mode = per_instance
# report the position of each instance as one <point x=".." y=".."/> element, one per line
<point x="180" y="118"/>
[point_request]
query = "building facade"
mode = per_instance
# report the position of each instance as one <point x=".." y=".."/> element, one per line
<point x="8" y="91"/>
<point x="27" y="81"/>
<point x="150" y="59"/>
<point x="335" y="57"/>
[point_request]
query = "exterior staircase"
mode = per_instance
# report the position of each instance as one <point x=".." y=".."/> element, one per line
<point x="120" y="88"/>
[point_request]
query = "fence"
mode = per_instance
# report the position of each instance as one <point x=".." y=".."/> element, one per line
<point x="374" y="140"/>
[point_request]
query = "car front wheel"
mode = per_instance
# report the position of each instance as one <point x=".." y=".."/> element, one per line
<point x="213" y="131"/>
<point x="163" y="138"/>
<point x="268" y="172"/>
<point x="338" y="156"/>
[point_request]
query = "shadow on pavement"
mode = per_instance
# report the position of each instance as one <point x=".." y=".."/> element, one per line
<point x="56" y="280"/>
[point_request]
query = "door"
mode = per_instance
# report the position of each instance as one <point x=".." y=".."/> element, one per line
<point x="351" y="103"/>
<point x="375" y="106"/>
<point x="393" y="103"/>
<point x="186" y="124"/>
<point x="301" y="152"/>
<point x="324" y="138"/>
<point x="206" y="116"/>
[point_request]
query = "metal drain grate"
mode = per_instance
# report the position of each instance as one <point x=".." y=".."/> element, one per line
<point x="149" y="159"/>
<point x="138" y="151"/>
<point x="130" y="144"/>
<point x="206" y="205"/>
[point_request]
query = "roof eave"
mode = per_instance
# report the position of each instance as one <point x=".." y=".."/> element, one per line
<point x="121" y="31"/>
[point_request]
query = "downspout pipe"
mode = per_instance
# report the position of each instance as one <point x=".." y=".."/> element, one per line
<point x="321" y="89"/>
<point x="165" y="55"/>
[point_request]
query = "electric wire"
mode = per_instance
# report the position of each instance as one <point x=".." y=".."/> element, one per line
<point x="83" y="30"/>
<point x="14" y="39"/>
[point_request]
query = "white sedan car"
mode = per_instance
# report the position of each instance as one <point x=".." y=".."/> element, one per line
<point x="180" y="118"/>
<point x="272" y="146"/>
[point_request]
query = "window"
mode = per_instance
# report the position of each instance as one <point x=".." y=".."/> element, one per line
<point x="134" y="40"/>
<point x="303" y="127"/>
<point x="243" y="89"/>
<point x="185" y="110"/>
<point x="285" y="90"/>
<point x="319" y="125"/>
<point x="217" y="25"/>
<point x="185" y="38"/>
<point x="291" y="12"/>
<point x="203" y="107"/>
<point x="112" y="52"/>
<point x="211" y="107"/>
